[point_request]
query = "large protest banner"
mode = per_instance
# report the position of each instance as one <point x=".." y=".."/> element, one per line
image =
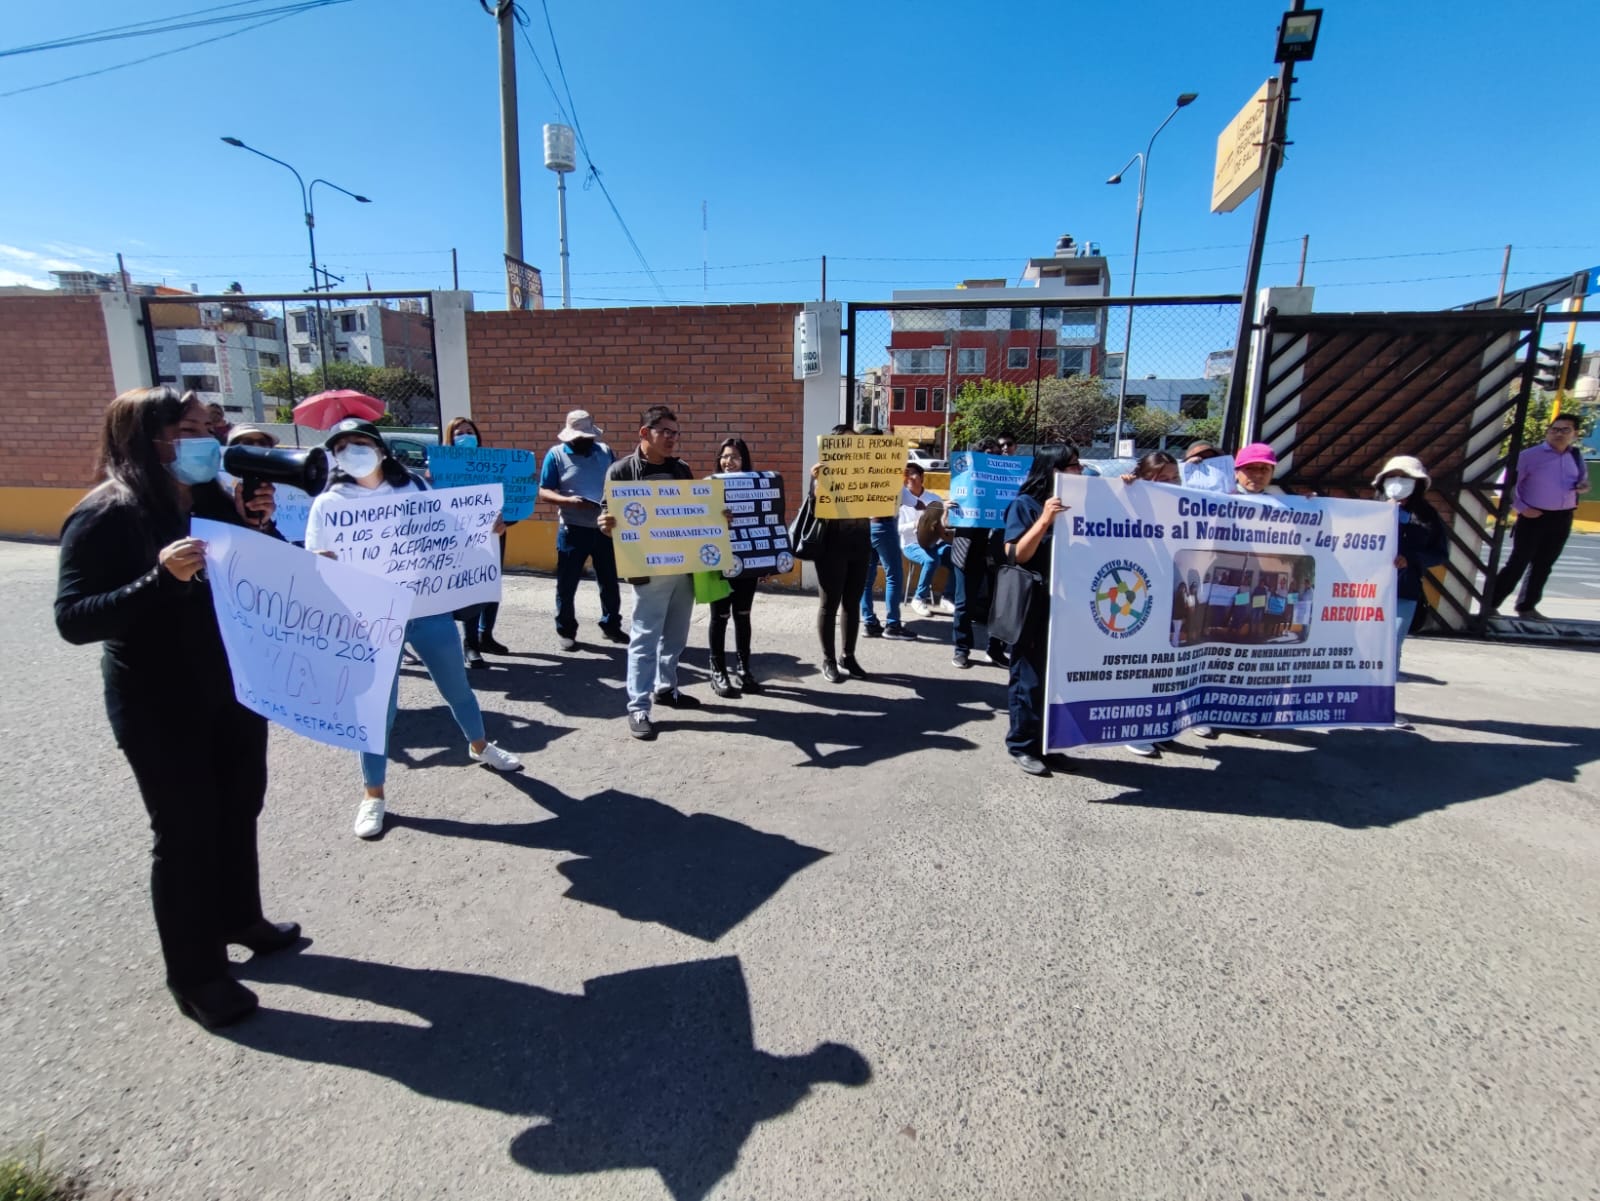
<point x="861" y="475"/>
<point x="516" y="471"/>
<point x="983" y="485"/>
<point x="440" y="543"/>
<point x="313" y="645"/>
<point x="758" y="537"/>
<point x="668" y="527"/>
<point x="1172" y="607"/>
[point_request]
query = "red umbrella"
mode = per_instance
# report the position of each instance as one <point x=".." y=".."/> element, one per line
<point x="326" y="409"/>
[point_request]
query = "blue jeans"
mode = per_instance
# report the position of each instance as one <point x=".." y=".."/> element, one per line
<point x="438" y="645"/>
<point x="929" y="564"/>
<point x="969" y="583"/>
<point x="661" y="610"/>
<point x="574" y="545"/>
<point x="885" y="550"/>
<point x="1404" y="611"/>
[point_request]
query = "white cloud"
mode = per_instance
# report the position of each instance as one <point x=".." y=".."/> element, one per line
<point x="72" y="250"/>
<point x="17" y="279"/>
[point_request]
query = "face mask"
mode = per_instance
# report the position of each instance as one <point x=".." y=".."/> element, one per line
<point x="468" y="440"/>
<point x="195" y="460"/>
<point x="1398" y="487"/>
<point x="359" y="461"/>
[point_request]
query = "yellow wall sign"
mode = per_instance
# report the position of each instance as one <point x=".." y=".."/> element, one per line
<point x="861" y="475"/>
<point x="668" y="527"/>
<point x="1242" y="152"/>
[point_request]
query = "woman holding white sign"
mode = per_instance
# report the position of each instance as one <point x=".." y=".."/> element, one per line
<point x="364" y="468"/>
<point x="130" y="578"/>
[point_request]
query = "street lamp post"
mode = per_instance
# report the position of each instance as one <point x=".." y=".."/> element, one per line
<point x="1143" y="159"/>
<point x="306" y="201"/>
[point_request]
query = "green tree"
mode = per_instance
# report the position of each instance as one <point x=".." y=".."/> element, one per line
<point x="405" y="394"/>
<point x="1074" y="409"/>
<point x="987" y="408"/>
<point x="1150" y="425"/>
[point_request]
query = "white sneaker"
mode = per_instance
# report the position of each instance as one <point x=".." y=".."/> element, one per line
<point x="493" y="756"/>
<point x="946" y="607"/>
<point x="921" y="607"/>
<point x="1146" y="750"/>
<point x="369" y="818"/>
<point x="1202" y="731"/>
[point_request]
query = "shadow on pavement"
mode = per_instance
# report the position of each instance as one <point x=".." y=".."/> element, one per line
<point x="1358" y="779"/>
<point x="860" y="727"/>
<point x="655" y="1068"/>
<point x="696" y="873"/>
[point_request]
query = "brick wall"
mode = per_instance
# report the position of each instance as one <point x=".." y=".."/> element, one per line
<point x="725" y="371"/>
<point x="55" y="383"/>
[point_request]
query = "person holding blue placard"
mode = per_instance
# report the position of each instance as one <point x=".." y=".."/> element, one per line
<point x="477" y="621"/>
<point x="573" y="479"/>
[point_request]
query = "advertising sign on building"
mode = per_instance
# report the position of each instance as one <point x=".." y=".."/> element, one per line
<point x="1242" y="152"/>
<point x="807" y="346"/>
<point x="524" y="285"/>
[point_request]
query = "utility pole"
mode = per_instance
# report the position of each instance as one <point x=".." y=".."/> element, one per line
<point x="1276" y="128"/>
<point x="1505" y="268"/>
<point x="504" y="14"/>
<point x="1305" y="245"/>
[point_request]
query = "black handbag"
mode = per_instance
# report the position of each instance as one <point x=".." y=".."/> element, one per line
<point x="1017" y="596"/>
<point x="806" y="531"/>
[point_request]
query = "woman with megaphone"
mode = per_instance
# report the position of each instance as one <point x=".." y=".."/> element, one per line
<point x="130" y="577"/>
<point x="364" y="468"/>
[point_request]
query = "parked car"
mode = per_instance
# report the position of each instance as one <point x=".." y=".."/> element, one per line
<point x="410" y="447"/>
<point x="926" y="461"/>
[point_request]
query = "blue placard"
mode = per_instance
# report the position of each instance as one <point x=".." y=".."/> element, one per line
<point x="516" y="471"/>
<point x="983" y="486"/>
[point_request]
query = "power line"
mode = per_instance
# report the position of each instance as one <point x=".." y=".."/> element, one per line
<point x="162" y="53"/>
<point x="140" y="29"/>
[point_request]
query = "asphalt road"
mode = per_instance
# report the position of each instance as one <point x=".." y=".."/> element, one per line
<point x="1577" y="571"/>
<point x="829" y="944"/>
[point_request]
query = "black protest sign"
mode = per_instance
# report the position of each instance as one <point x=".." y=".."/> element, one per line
<point x="758" y="532"/>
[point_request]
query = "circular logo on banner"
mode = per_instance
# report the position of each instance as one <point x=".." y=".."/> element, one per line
<point x="710" y="555"/>
<point x="734" y="567"/>
<point x="785" y="562"/>
<point x="634" y="513"/>
<point x="1122" y="600"/>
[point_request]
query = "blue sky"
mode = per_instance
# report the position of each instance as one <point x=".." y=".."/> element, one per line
<point x="913" y="143"/>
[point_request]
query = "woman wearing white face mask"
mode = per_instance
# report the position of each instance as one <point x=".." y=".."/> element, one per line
<point x="1403" y="481"/>
<point x="364" y="468"/>
<point x="129" y="580"/>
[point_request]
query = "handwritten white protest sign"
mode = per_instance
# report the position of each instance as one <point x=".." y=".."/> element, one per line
<point x="440" y="543"/>
<point x="313" y="645"/>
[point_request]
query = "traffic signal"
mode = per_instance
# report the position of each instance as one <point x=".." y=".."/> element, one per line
<point x="1547" y="368"/>
<point x="1574" y="368"/>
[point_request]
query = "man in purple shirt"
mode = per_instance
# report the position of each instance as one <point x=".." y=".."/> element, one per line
<point x="1550" y="478"/>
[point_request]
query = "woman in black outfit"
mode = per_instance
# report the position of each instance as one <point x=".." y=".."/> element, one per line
<point x="477" y="621"/>
<point x="733" y="456"/>
<point x="130" y="577"/>
<point x="841" y="579"/>
<point x="1030" y="522"/>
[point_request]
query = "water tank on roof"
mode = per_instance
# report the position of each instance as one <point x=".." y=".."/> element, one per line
<point x="1064" y="247"/>
<point x="560" y="148"/>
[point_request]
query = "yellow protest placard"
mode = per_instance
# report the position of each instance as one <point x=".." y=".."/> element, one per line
<point x="668" y="527"/>
<point x="861" y="475"/>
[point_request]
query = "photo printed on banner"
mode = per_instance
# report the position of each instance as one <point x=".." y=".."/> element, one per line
<point x="757" y="534"/>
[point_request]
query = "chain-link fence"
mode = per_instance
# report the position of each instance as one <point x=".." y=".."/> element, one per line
<point x="256" y="356"/>
<point x="1057" y="369"/>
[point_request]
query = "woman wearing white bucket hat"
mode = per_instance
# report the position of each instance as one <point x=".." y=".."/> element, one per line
<point x="1404" y="481"/>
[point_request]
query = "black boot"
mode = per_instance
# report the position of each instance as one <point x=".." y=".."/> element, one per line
<point x="720" y="683"/>
<point x="219" y="1002"/>
<point x="747" y="677"/>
